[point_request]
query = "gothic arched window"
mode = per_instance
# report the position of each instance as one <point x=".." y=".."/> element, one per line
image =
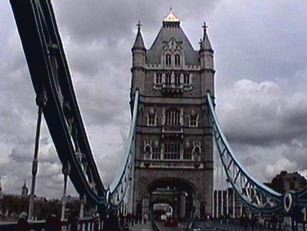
<point x="168" y="59"/>
<point x="196" y="153"/>
<point x="158" y="78"/>
<point x="186" y="79"/>
<point x="172" y="117"/>
<point x="156" y="151"/>
<point x="147" y="151"/>
<point x="193" y="122"/>
<point x="168" y="78"/>
<point x="177" y="78"/>
<point x="187" y="154"/>
<point x="177" y="60"/>
<point x="151" y="118"/>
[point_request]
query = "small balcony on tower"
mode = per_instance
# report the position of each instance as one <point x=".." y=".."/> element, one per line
<point x="172" y="89"/>
<point x="171" y="83"/>
<point x="172" y="132"/>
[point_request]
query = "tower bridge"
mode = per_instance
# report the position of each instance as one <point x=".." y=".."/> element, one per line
<point x="169" y="156"/>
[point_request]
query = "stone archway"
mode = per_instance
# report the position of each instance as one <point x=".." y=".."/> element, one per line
<point x="178" y="193"/>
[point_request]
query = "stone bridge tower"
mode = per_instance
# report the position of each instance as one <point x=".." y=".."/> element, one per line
<point x="174" y="144"/>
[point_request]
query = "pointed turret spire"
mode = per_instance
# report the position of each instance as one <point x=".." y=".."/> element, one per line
<point x="206" y="45"/>
<point x="139" y="42"/>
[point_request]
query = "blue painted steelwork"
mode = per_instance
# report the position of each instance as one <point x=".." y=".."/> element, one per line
<point x="51" y="79"/>
<point x="120" y="184"/>
<point x="255" y="194"/>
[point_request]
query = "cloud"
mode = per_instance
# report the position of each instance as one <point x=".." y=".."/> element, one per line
<point x="282" y="164"/>
<point x="263" y="113"/>
<point x="261" y="82"/>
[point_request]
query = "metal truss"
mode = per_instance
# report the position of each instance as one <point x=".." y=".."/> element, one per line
<point x="120" y="186"/>
<point x="253" y="193"/>
<point x="52" y="81"/>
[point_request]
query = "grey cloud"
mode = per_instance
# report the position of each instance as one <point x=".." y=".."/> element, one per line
<point x="262" y="114"/>
<point x="264" y="117"/>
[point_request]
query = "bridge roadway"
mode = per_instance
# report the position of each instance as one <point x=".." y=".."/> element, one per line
<point x="160" y="226"/>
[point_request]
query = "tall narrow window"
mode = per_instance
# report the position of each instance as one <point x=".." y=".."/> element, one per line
<point x="156" y="151"/>
<point x="187" y="153"/>
<point x="168" y="78"/>
<point x="196" y="153"/>
<point x="193" y="120"/>
<point x="186" y="79"/>
<point x="172" y="117"/>
<point x="151" y="118"/>
<point x="177" y="60"/>
<point x="168" y="60"/>
<point x="158" y="78"/>
<point x="177" y="79"/>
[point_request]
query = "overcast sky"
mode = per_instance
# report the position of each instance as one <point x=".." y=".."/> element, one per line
<point x="261" y="81"/>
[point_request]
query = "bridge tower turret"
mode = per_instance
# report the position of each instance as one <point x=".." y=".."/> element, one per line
<point x="206" y="64"/>
<point x="138" y="62"/>
<point x="174" y="145"/>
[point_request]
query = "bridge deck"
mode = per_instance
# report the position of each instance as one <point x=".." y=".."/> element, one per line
<point x="160" y="226"/>
<point x="141" y="227"/>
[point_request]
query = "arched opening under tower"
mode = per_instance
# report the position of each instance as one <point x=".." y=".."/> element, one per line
<point x="171" y="197"/>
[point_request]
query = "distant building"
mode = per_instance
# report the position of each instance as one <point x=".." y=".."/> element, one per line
<point x="285" y="181"/>
<point x="24" y="190"/>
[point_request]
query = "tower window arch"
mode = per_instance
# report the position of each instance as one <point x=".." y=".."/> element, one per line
<point x="186" y="79"/>
<point x="156" y="151"/>
<point x="196" y="153"/>
<point x="151" y="118"/>
<point x="158" y="79"/>
<point x="193" y="119"/>
<point x="147" y="151"/>
<point x="177" y="78"/>
<point x="168" y="78"/>
<point x="187" y="154"/>
<point x="168" y="59"/>
<point x="177" y="60"/>
<point x="172" y="117"/>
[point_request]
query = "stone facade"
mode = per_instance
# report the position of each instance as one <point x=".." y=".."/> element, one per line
<point x="174" y="141"/>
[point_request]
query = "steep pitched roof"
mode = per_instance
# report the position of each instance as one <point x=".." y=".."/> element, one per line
<point x="172" y="29"/>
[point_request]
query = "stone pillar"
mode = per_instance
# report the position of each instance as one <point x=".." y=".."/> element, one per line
<point x="145" y="206"/>
<point x="182" y="205"/>
<point x="197" y="207"/>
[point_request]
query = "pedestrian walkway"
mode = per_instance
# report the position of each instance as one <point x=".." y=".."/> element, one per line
<point x="141" y="227"/>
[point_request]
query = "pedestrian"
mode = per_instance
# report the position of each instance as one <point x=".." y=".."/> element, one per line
<point x="53" y="223"/>
<point x="145" y="218"/>
<point x="72" y="222"/>
<point x="96" y="221"/>
<point x="274" y="221"/>
<point x="261" y="222"/>
<point x="253" y="222"/>
<point x="22" y="224"/>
